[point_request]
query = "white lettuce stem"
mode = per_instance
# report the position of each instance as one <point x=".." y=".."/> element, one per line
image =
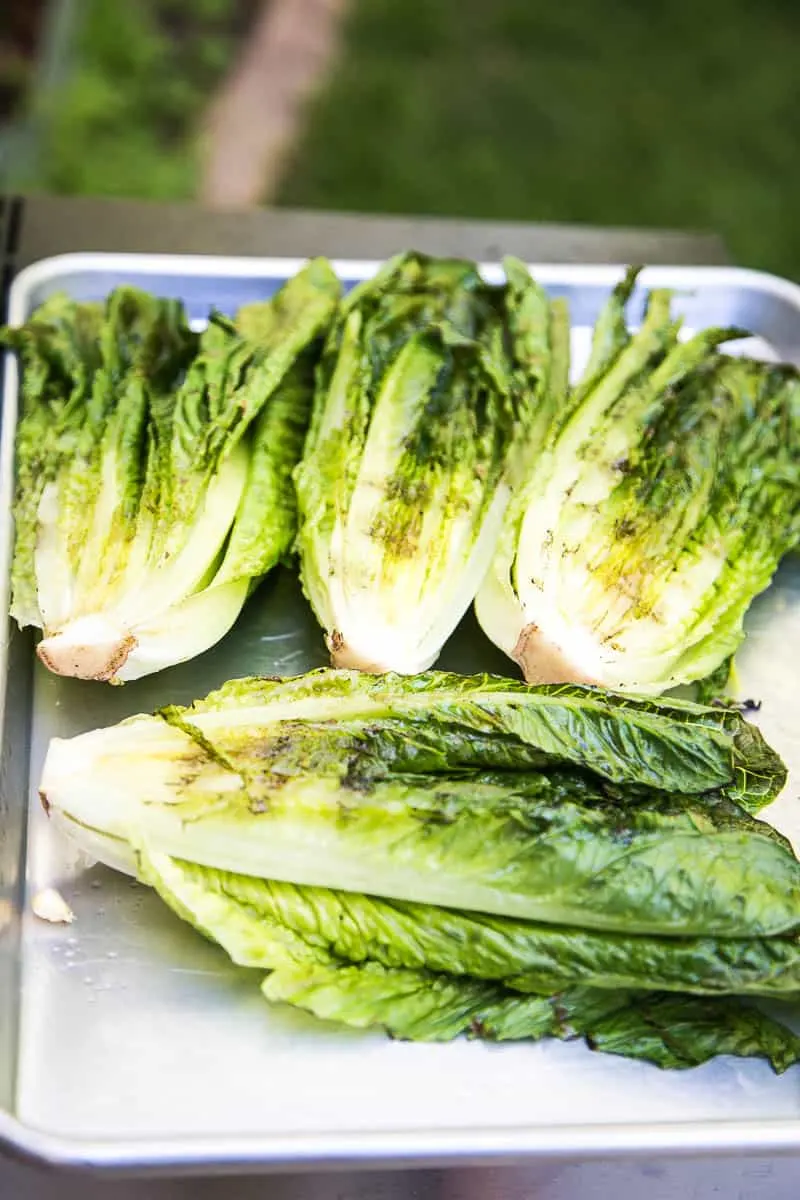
<point x="90" y="647"/>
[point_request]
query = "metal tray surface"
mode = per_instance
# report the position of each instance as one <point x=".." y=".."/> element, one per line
<point x="127" y="1042"/>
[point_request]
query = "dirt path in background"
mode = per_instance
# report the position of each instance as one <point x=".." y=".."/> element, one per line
<point x="255" y="118"/>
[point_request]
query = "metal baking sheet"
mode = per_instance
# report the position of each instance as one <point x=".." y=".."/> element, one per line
<point x="127" y="1042"/>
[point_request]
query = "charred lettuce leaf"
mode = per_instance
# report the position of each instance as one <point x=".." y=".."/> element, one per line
<point x="669" y="1031"/>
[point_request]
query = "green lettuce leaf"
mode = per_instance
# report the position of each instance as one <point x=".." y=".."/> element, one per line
<point x="670" y="1031"/>
<point x="412" y="1005"/>
<point x="249" y="938"/>
<point x="712" y="688"/>
<point x="59" y="351"/>
<point x="681" y="1031"/>
<point x="439" y="721"/>
<point x="242" y="365"/>
<point x="610" y="335"/>
<point x="526" y="956"/>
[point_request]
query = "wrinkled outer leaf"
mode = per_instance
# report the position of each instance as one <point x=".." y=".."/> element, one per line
<point x="682" y="1031"/>
<point x="241" y="366"/>
<point x="671" y="1031"/>
<point x="439" y="720"/>
<point x="61" y="418"/>
<point x="528" y="956"/>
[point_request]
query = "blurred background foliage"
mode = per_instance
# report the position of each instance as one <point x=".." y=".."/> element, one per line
<point x="120" y="92"/>
<point x="678" y="113"/>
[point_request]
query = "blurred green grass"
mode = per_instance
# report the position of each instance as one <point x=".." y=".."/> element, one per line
<point x="672" y="113"/>
<point x="679" y="113"/>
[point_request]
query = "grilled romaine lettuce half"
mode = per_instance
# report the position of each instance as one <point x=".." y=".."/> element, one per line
<point x="433" y="389"/>
<point x="561" y="805"/>
<point x="473" y="793"/>
<point x="662" y="508"/>
<point x="154" y="469"/>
